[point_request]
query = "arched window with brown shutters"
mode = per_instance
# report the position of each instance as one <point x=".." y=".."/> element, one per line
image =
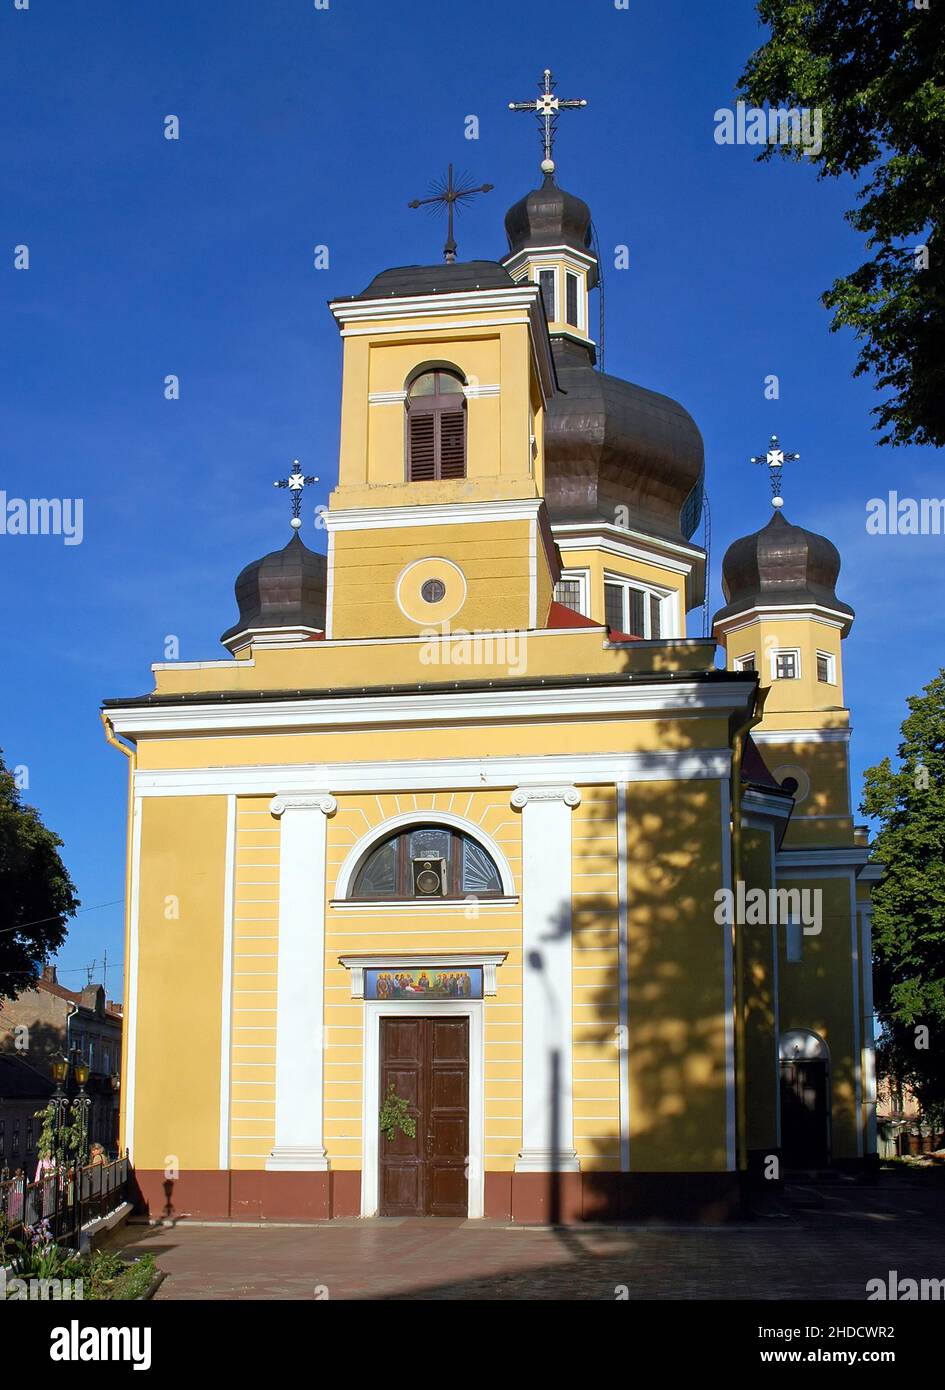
<point x="436" y="427"/>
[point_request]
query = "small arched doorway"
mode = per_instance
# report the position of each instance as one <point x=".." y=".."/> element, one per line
<point x="805" y="1099"/>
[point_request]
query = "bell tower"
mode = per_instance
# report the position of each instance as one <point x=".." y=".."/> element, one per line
<point x="784" y="620"/>
<point x="438" y="515"/>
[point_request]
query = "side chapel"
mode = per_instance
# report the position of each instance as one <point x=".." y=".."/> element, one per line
<point x="446" y="828"/>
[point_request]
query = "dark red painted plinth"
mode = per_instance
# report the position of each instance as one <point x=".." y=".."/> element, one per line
<point x="524" y="1198"/>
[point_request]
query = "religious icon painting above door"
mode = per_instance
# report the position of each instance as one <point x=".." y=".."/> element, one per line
<point x="426" y="1061"/>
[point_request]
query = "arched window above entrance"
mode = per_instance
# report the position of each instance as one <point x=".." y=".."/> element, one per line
<point x="428" y="861"/>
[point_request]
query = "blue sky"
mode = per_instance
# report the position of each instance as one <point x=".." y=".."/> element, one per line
<point x="302" y="127"/>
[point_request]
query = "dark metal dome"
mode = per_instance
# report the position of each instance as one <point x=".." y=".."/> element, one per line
<point x="445" y="278"/>
<point x="548" y="216"/>
<point x="610" y="444"/>
<point x="781" y="565"/>
<point x="285" y="589"/>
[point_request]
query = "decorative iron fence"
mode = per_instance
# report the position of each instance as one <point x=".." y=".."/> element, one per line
<point x="68" y="1199"/>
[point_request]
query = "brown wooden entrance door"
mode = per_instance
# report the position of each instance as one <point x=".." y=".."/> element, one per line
<point x="427" y="1061"/>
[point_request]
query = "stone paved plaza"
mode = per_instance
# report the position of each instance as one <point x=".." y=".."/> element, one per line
<point x="816" y="1241"/>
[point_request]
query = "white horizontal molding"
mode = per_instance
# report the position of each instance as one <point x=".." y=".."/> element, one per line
<point x="433" y="514"/>
<point x="272" y="637"/>
<point x="471" y="393"/>
<point x="574" y="535"/>
<point x="488" y="960"/>
<point x="801" y="735"/>
<point x="398" y="907"/>
<point x="538" y="254"/>
<point x="810" y="861"/>
<point x="797" y="612"/>
<point x="647" y="555"/>
<point x="448" y="707"/>
<point x="456" y="774"/>
<point x="349" y="311"/>
<point x="763" y="804"/>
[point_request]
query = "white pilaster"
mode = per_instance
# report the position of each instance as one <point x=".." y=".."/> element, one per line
<point x="547" y="1101"/>
<point x="300" y="1002"/>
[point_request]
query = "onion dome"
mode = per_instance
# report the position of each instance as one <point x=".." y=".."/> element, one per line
<point x="281" y="596"/>
<point x="782" y="566"/>
<point x="548" y="216"/>
<point x="610" y="444"/>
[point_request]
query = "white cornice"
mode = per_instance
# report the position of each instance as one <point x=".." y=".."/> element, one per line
<point x="425" y="707"/>
<point x="271" y="637"/>
<point x="458" y="774"/>
<point x="765" y="804"/>
<point x="537" y="254"/>
<point x="450" y="302"/>
<point x="360" y="316"/>
<point x="796" y="612"/>
<point x="432" y="514"/>
<point x="853" y="858"/>
<point x="801" y="735"/>
<point x="653" y="557"/>
<point x="567" y="534"/>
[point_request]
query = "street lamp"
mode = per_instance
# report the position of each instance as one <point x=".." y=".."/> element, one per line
<point x="59" y="1066"/>
<point x="80" y="1109"/>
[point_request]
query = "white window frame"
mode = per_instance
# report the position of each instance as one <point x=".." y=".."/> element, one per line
<point x="739" y="662"/>
<point x="666" y="599"/>
<point x="786" y="651"/>
<point x="580" y="326"/>
<point x="583" y="579"/>
<point x="554" y="270"/>
<point x="831" y="661"/>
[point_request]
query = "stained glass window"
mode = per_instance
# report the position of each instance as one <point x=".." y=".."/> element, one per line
<point x="401" y="866"/>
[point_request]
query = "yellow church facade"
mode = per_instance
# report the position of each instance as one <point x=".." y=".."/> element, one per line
<point x="440" y="882"/>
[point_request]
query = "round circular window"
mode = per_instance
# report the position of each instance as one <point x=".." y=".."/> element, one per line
<point x="432" y="590"/>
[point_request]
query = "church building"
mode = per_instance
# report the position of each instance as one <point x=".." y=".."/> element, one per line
<point x="466" y="883"/>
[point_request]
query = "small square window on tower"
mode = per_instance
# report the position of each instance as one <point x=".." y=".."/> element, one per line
<point x="826" y="669"/>
<point x="746" y="662"/>
<point x="786" y="666"/>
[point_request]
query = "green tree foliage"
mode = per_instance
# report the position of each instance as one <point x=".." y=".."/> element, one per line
<point x="876" y="71"/>
<point x="37" y="896"/>
<point x="909" y="904"/>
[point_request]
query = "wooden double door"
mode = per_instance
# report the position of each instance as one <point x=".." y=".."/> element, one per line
<point x="427" y="1062"/>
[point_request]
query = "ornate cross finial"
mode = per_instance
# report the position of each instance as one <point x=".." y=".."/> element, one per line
<point x="547" y="108"/>
<point x="775" y="458"/>
<point x="295" y="482"/>
<point x="450" y="195"/>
